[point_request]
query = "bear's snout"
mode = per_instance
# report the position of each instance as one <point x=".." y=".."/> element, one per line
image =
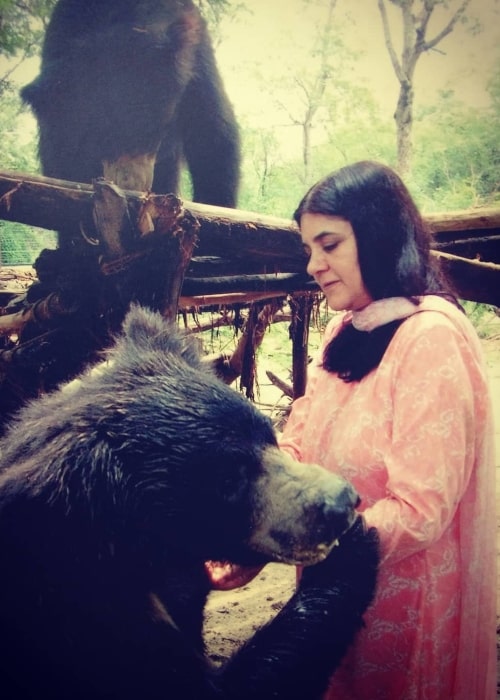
<point x="301" y="510"/>
<point x="334" y="514"/>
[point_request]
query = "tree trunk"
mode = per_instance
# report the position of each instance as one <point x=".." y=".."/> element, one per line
<point x="415" y="24"/>
<point x="404" y="125"/>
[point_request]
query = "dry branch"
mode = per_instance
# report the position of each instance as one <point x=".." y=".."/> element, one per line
<point x="285" y="388"/>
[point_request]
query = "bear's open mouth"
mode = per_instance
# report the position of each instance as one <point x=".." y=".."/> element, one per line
<point x="224" y="576"/>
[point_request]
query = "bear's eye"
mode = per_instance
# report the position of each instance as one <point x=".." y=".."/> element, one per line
<point x="234" y="480"/>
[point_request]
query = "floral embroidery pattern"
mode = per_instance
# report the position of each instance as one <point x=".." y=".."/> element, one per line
<point x="415" y="437"/>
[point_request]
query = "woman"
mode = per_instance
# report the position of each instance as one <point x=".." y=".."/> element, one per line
<point x="398" y="404"/>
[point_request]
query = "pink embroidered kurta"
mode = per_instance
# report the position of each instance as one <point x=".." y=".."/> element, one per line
<point x="415" y="437"/>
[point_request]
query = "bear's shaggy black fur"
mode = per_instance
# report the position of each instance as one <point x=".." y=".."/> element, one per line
<point x="115" y="491"/>
<point x="130" y="85"/>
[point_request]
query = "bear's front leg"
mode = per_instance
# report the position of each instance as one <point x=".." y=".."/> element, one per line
<point x="294" y="656"/>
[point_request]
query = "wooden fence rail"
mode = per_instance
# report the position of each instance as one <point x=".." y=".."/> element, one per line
<point x="173" y="255"/>
<point x="240" y="252"/>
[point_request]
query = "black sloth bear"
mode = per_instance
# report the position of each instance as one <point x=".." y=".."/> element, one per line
<point x="115" y="492"/>
<point x="128" y="88"/>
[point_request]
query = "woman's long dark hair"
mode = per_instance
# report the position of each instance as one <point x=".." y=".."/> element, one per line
<point x="394" y="256"/>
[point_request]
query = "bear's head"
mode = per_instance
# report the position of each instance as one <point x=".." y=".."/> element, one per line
<point x="154" y="452"/>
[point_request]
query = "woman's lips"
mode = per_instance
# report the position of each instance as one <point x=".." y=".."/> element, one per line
<point x="328" y="285"/>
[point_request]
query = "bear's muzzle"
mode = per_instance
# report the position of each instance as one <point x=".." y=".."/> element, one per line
<point x="301" y="510"/>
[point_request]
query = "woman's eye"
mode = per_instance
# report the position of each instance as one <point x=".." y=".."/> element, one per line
<point x="329" y="247"/>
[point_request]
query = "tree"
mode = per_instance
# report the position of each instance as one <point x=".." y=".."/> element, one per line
<point x="415" y="15"/>
<point x="307" y="90"/>
<point x="215" y="11"/>
<point x="314" y="90"/>
<point x="357" y="129"/>
<point x="22" y="25"/>
<point x="261" y="158"/>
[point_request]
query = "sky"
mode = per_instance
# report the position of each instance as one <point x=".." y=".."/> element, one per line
<point x="276" y="30"/>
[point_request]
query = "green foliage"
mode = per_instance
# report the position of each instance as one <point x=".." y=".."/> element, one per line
<point x="18" y="143"/>
<point x="457" y="160"/>
<point x="456" y="154"/>
<point x="214" y="11"/>
<point x="494" y="91"/>
<point x="277" y="192"/>
<point x="483" y="317"/>
<point x="21" y="245"/>
<point x="351" y="129"/>
<point x="356" y="132"/>
<point x="22" y="23"/>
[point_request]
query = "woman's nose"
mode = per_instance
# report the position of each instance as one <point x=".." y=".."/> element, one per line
<point x="316" y="263"/>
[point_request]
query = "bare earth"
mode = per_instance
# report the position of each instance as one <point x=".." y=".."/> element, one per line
<point x="232" y="617"/>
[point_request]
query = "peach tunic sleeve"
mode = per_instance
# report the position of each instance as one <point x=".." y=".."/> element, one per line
<point x="415" y="437"/>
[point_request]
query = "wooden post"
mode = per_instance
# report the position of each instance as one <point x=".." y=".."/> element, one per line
<point x="71" y="313"/>
<point x="299" y="331"/>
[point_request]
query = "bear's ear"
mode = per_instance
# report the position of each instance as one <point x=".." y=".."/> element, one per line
<point x="145" y="331"/>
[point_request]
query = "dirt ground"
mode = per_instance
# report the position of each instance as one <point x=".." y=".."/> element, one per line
<point x="232" y="617"/>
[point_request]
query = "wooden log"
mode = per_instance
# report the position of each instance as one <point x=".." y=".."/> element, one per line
<point x="41" y="201"/>
<point x="473" y="280"/>
<point x="252" y="243"/>
<point x="26" y="197"/>
<point x="474" y="233"/>
<point x="266" y="284"/>
<point x="227" y="236"/>
<point x="243" y="298"/>
<point x="473" y="244"/>
<point x="227" y="233"/>
<point x="478" y="219"/>
<point x="15" y="279"/>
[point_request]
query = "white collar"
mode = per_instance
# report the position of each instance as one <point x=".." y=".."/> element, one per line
<point x="382" y="311"/>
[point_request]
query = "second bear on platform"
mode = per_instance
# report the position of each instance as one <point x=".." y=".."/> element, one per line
<point x="129" y="88"/>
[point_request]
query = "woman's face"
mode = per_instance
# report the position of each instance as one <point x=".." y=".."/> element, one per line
<point x="333" y="260"/>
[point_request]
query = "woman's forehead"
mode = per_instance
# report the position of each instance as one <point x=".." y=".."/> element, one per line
<point x="315" y="227"/>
